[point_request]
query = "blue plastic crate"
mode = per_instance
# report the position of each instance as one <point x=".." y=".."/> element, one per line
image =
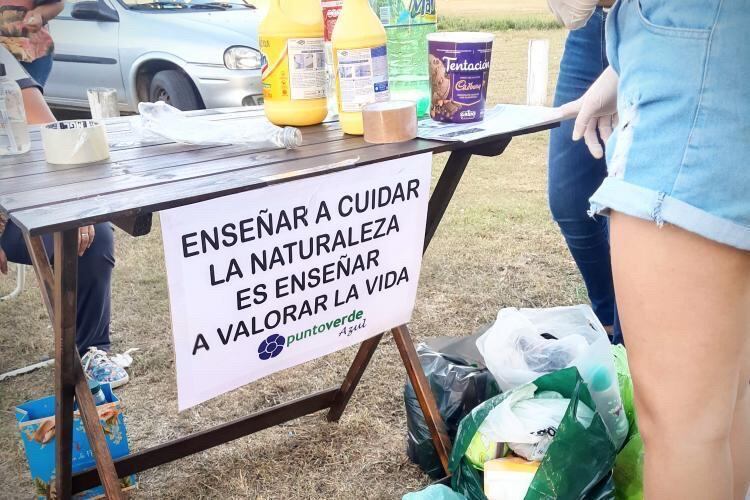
<point x="36" y="426"/>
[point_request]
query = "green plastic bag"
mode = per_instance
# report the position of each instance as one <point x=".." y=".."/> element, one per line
<point x="577" y="463"/>
<point x="620" y="356"/>
<point x="628" y="473"/>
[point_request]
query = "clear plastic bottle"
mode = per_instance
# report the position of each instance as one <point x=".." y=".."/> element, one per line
<point x="407" y="24"/>
<point x="606" y="394"/>
<point x="96" y="392"/>
<point x="14" y="133"/>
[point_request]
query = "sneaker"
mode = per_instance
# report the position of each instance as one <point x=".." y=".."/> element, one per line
<point x="97" y="365"/>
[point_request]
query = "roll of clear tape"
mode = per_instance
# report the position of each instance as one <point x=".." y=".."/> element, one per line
<point x="74" y="142"/>
<point x="389" y="121"/>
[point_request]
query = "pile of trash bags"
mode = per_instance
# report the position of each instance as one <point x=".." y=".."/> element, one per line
<point x="563" y="425"/>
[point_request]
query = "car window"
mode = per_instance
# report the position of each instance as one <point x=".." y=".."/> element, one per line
<point x="69" y="4"/>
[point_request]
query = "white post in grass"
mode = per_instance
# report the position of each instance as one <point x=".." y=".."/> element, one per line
<point x="538" y="73"/>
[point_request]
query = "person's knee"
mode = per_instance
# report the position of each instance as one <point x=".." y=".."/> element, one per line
<point x="100" y="257"/>
<point x="667" y="423"/>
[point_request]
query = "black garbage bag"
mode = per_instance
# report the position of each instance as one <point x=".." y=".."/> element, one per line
<point x="459" y="381"/>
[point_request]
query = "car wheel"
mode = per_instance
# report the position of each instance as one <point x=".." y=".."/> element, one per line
<point x="174" y="88"/>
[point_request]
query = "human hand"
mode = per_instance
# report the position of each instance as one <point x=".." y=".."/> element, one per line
<point x="33" y="21"/>
<point x="573" y="14"/>
<point x="3" y="262"/>
<point x="85" y="239"/>
<point x="595" y="111"/>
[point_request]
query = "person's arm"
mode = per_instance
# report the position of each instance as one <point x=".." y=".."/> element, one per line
<point x="37" y="111"/>
<point x="37" y="17"/>
<point x="595" y="112"/>
<point x="574" y="14"/>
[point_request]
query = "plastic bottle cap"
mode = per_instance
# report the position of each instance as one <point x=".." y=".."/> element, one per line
<point x="94" y="386"/>
<point x="2" y="70"/>
<point x="600" y="379"/>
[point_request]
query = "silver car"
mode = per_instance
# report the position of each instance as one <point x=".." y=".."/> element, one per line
<point x="190" y="53"/>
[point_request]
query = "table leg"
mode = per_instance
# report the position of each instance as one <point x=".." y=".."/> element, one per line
<point x="98" y="443"/>
<point x="353" y="376"/>
<point x="424" y="394"/>
<point x="64" y="321"/>
<point x="59" y="292"/>
<point x="446" y="186"/>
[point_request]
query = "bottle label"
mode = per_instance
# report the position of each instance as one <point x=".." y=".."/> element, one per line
<point x="363" y="77"/>
<point x="385" y="15"/>
<point x="293" y="68"/>
<point x="404" y="12"/>
<point x="331" y="11"/>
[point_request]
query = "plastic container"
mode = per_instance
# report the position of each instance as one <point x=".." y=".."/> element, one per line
<point x="459" y="72"/>
<point x="407" y="25"/>
<point x="294" y="72"/>
<point x="360" y="63"/>
<point x="14" y="133"/>
<point x="605" y="391"/>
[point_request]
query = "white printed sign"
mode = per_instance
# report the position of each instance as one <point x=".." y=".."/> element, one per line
<point x="265" y="280"/>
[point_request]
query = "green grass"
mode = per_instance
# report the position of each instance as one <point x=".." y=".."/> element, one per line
<point x="452" y="23"/>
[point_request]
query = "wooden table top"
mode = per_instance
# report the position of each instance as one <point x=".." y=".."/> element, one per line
<point x="141" y="179"/>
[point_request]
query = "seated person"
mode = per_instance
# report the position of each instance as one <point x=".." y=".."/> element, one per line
<point x="96" y="255"/>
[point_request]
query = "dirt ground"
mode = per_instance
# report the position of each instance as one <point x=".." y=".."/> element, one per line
<point x="496" y="247"/>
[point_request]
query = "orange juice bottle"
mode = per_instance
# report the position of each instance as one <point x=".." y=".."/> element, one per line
<point x="360" y="62"/>
<point x="294" y="71"/>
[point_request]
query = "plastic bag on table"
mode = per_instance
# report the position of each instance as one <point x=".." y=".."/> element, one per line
<point x="160" y="120"/>
<point x="526" y="343"/>
<point x="457" y="386"/>
<point x="577" y="463"/>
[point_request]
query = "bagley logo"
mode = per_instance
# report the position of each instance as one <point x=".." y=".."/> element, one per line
<point x="272" y="345"/>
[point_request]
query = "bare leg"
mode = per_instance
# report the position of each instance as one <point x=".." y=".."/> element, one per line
<point x="685" y="305"/>
<point x="740" y="441"/>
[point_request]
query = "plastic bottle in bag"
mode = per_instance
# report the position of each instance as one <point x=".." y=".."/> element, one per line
<point x="604" y="388"/>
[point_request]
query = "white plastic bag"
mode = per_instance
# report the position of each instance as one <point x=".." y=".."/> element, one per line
<point x="524" y="344"/>
<point x="528" y="423"/>
<point x="160" y="120"/>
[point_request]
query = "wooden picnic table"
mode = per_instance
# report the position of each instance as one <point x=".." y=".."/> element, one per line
<point x="139" y="180"/>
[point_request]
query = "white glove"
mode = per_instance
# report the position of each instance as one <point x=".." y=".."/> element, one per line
<point x="595" y="110"/>
<point x="573" y="14"/>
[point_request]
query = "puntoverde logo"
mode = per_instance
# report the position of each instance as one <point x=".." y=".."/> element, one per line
<point x="272" y="345"/>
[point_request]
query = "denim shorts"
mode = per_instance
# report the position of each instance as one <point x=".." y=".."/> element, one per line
<point x="681" y="149"/>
